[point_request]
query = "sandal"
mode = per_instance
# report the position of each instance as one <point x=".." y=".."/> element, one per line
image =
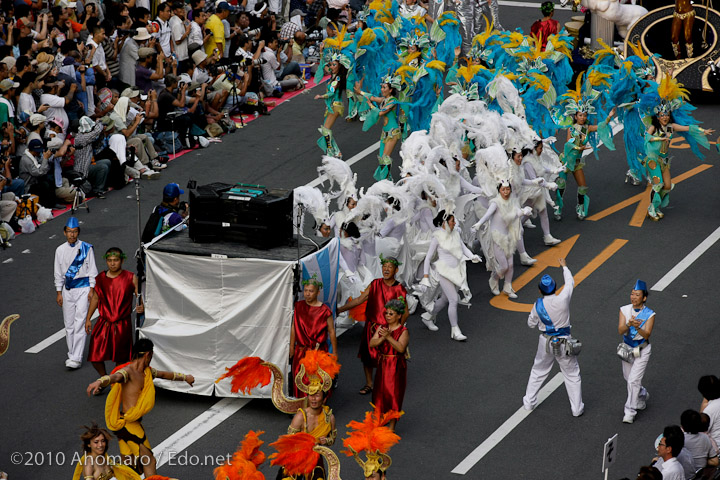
<point x="365" y="390"/>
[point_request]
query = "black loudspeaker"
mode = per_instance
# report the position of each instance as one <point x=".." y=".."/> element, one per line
<point x="250" y="214"/>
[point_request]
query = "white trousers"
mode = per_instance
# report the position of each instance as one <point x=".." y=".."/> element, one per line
<point x="75" y="307"/>
<point x="541" y="369"/>
<point x="633" y="373"/>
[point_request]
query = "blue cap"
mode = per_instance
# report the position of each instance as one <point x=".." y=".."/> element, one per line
<point x="36" y="145"/>
<point x="72" y="222"/>
<point x="640" y="285"/>
<point x="547" y="285"/>
<point x="223" y="6"/>
<point x="172" y="190"/>
<point x="23" y="117"/>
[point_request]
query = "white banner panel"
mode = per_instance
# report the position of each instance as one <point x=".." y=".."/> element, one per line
<point x="205" y="314"/>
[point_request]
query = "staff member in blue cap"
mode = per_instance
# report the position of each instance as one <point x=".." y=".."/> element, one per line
<point x="75" y="273"/>
<point x="167" y="215"/>
<point x="551" y="314"/>
<point x="635" y="325"/>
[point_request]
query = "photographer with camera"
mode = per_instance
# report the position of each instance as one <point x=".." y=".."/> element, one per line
<point x="276" y="69"/>
<point x="144" y="75"/>
<point x="201" y="75"/>
<point x="180" y="30"/>
<point x="7" y="149"/>
<point x="34" y="167"/>
<point x="170" y="98"/>
<point x="129" y="55"/>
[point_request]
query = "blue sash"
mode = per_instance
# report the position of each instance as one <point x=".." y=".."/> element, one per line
<point x="629" y="338"/>
<point x="70" y="280"/>
<point x="545" y="319"/>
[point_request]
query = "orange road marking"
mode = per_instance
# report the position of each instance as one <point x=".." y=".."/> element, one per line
<point x="549" y="258"/>
<point x="643" y="200"/>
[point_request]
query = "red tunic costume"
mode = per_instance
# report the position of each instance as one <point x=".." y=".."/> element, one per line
<point x="543" y="29"/>
<point x="112" y="336"/>
<point x="378" y="296"/>
<point x="391" y="375"/>
<point x="310" y="324"/>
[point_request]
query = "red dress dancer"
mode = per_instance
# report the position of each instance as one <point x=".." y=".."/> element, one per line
<point x="379" y="293"/>
<point x="311" y="331"/>
<point x="547" y="26"/>
<point x="391" y="375"/>
<point x="112" y="335"/>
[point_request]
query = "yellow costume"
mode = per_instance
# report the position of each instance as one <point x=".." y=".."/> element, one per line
<point x="120" y="472"/>
<point x="127" y="427"/>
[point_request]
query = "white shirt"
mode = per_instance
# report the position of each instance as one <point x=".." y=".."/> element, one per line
<point x="700" y="447"/>
<point x="163" y="36"/>
<point x="201" y="76"/>
<point x="178" y="30"/>
<point x="64" y="256"/>
<point x="557" y="306"/>
<point x="672" y="470"/>
<point x="628" y="311"/>
<point x="196" y="35"/>
<point x="10" y="106"/>
<point x="56" y="110"/>
<point x="268" y="68"/>
<point x="98" y="59"/>
<point x="26" y="103"/>
<point x="712" y="410"/>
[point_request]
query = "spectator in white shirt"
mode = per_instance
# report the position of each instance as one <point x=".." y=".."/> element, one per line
<point x="273" y="72"/>
<point x="670" y="445"/>
<point x="180" y="30"/>
<point x="26" y="102"/>
<point x="709" y="387"/>
<point x="164" y="34"/>
<point x="697" y="443"/>
<point x="57" y="103"/>
<point x="96" y="52"/>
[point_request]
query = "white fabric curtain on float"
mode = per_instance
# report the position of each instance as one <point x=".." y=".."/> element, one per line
<point x="204" y="314"/>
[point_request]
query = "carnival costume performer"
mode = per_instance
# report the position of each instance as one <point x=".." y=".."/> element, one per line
<point x="312" y="327"/>
<point x="301" y="458"/>
<point x="471" y="14"/>
<point x="683" y="20"/>
<point x="450" y="266"/>
<point x="536" y="194"/>
<point x="551" y="315"/>
<point x="380" y="291"/>
<point x="112" y="337"/>
<point x="500" y="240"/>
<point x="373" y="437"/>
<point x="391" y="341"/>
<point x="579" y="107"/>
<point x="635" y="325"/>
<point x="542" y="29"/>
<point x="670" y="113"/>
<point x="337" y="59"/>
<point x="95" y="464"/>
<point x="74" y="274"/>
<point x="133" y="396"/>
<point x="387" y="108"/>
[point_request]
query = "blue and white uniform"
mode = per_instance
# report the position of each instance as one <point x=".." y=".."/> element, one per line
<point x="75" y="273"/>
<point x="557" y="313"/>
<point x="634" y="370"/>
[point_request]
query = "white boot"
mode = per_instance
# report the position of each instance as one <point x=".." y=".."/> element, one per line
<point x="528" y="224"/>
<point x="526" y="259"/>
<point x="457" y="335"/>
<point x="550" y="240"/>
<point x="494" y="285"/>
<point x="429" y="320"/>
<point x="507" y="289"/>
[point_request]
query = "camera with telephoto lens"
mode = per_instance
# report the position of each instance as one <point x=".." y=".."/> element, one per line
<point x="125" y="32"/>
<point x="314" y="37"/>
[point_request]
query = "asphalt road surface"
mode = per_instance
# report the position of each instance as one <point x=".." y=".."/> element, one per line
<point x="459" y="394"/>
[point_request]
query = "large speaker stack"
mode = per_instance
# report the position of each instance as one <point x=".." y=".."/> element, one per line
<point x="252" y="214"/>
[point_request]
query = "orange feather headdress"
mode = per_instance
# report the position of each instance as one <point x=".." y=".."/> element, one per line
<point x="319" y="368"/>
<point x="295" y="453"/>
<point x="247" y="374"/>
<point x="244" y="462"/>
<point x="373" y="437"/>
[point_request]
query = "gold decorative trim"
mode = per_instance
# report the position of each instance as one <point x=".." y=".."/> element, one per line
<point x="5" y="332"/>
<point x="332" y="460"/>
<point x="281" y="402"/>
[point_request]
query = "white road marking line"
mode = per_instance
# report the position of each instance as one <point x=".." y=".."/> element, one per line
<point x="352" y="160"/>
<point x="196" y="428"/>
<point x="57" y="336"/>
<point x="476" y="455"/>
<point x="678" y="269"/>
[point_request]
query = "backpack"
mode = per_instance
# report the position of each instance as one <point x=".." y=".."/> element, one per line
<point x="28" y="206"/>
<point x="153" y="226"/>
<point x="164" y="142"/>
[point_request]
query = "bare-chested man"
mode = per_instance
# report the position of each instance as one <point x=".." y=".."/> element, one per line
<point x="683" y="19"/>
<point x="132" y="396"/>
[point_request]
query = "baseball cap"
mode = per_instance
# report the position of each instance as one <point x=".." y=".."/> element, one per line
<point x="7" y="84"/>
<point x="172" y="190"/>
<point x="36" y="145"/>
<point x="297" y="11"/>
<point x="223" y="6"/>
<point x="70" y="61"/>
<point x="145" y="52"/>
<point x="323" y="22"/>
<point x="9" y="61"/>
<point x="24" y="22"/>
<point x="66" y="4"/>
<point x="109" y="123"/>
<point x="37" y="118"/>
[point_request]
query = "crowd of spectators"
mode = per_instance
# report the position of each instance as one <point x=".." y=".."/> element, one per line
<point x="690" y="450"/>
<point x="97" y="93"/>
